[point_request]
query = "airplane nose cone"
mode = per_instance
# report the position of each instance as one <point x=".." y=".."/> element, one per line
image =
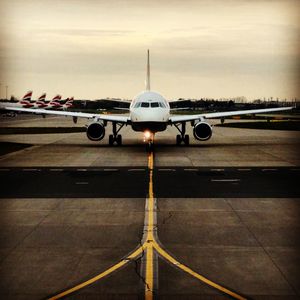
<point x="149" y="115"/>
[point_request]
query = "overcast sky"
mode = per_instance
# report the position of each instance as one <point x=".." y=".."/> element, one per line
<point x="93" y="49"/>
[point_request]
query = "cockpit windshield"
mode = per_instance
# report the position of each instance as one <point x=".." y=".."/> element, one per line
<point x="150" y="104"/>
<point x="154" y="104"/>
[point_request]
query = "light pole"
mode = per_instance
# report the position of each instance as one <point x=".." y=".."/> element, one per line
<point x="6" y="88"/>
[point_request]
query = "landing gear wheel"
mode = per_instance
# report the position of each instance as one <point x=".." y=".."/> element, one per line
<point x="186" y="139"/>
<point x="111" y="140"/>
<point x="119" y="139"/>
<point x="115" y="137"/>
<point x="178" y="139"/>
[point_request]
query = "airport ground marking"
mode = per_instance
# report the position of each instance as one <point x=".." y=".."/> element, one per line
<point x="149" y="245"/>
<point x="105" y="273"/>
<point x="225" y="180"/>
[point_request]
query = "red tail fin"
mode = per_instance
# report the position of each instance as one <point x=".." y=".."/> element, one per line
<point x="57" y="97"/>
<point x="42" y="97"/>
<point x="27" y="96"/>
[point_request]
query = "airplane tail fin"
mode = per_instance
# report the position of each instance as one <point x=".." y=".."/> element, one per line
<point x="57" y="98"/>
<point x="42" y="97"/>
<point x="148" y="72"/>
<point x="27" y="96"/>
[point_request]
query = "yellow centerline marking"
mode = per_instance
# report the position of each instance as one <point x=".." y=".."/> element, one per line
<point x="113" y="268"/>
<point x="150" y="245"/>
<point x="186" y="269"/>
<point x="149" y="273"/>
<point x="150" y="238"/>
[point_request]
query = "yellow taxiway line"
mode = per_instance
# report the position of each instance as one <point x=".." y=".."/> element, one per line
<point x="150" y="245"/>
<point x="186" y="269"/>
<point x="153" y="244"/>
<point x="113" y="268"/>
<point x="149" y="276"/>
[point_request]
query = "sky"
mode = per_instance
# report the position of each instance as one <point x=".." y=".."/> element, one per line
<point x="93" y="49"/>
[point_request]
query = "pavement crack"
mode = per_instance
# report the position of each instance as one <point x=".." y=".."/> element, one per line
<point x="166" y="219"/>
<point x="137" y="263"/>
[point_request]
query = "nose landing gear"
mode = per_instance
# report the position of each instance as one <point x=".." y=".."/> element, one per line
<point x="149" y="140"/>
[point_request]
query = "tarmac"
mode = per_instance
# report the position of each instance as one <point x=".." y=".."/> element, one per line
<point x="227" y="208"/>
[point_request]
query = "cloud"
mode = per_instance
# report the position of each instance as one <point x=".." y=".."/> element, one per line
<point x="84" y="32"/>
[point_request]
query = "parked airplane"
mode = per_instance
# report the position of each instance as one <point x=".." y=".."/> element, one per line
<point x="25" y="102"/>
<point x="41" y="102"/>
<point x="149" y="112"/>
<point x="68" y="103"/>
<point x="55" y="102"/>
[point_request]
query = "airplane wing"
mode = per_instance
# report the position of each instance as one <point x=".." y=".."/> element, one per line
<point x="109" y="118"/>
<point x="186" y="118"/>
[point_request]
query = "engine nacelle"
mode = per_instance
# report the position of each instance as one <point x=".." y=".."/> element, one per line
<point x="95" y="131"/>
<point x="202" y="131"/>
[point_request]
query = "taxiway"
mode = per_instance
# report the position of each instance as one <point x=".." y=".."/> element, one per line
<point x="227" y="208"/>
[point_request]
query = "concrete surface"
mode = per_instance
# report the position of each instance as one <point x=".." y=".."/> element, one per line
<point x="250" y="245"/>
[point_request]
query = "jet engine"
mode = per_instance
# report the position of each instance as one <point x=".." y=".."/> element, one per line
<point x="202" y="131"/>
<point x="95" y="131"/>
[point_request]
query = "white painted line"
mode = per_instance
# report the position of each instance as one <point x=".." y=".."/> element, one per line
<point x="4" y="170"/>
<point x="218" y="170"/>
<point x="295" y="169"/>
<point x="82" y="182"/>
<point x="54" y="170"/>
<point x="82" y="170"/>
<point x="135" y="170"/>
<point x="30" y="169"/>
<point x="244" y="170"/>
<point x="111" y="169"/>
<point x="95" y="170"/>
<point x="167" y="170"/>
<point x="264" y="170"/>
<point x="191" y="170"/>
<point x="225" y="180"/>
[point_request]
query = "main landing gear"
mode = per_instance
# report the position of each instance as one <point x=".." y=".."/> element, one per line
<point x="182" y="137"/>
<point x="115" y="137"/>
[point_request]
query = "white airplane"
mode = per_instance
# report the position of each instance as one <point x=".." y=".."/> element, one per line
<point x="68" y="103"/>
<point x="55" y="102"/>
<point x="41" y="102"/>
<point x="25" y="102"/>
<point x="149" y="112"/>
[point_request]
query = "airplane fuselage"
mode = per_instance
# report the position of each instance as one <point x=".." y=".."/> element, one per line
<point x="149" y="111"/>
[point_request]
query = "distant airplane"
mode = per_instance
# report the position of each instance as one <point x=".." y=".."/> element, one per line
<point x="55" y="102"/>
<point x="149" y="113"/>
<point x="26" y="101"/>
<point x="41" y="102"/>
